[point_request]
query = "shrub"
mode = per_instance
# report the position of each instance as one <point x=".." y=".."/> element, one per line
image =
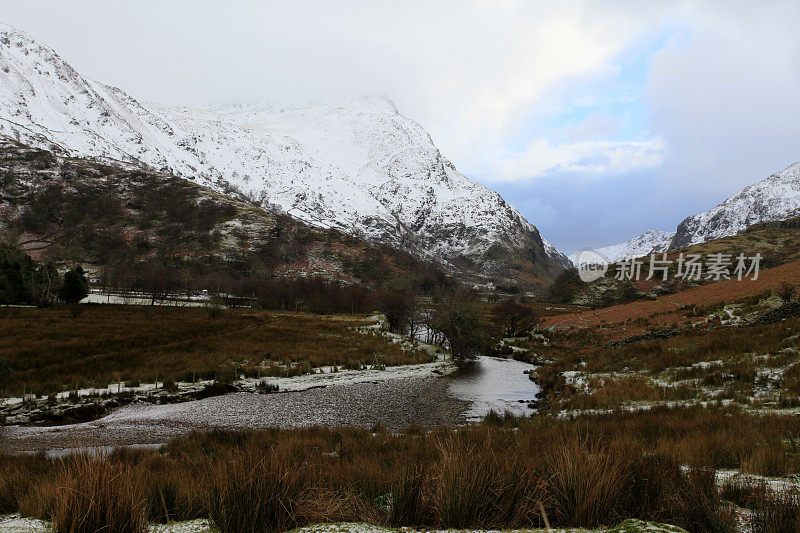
<point x="513" y="318"/>
<point x="461" y="324"/>
<point x="565" y="287"/>
<point x="397" y="307"/>
<point x="75" y="287"/>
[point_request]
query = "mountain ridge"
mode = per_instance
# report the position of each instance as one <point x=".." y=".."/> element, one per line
<point x="774" y="198"/>
<point x="123" y="223"/>
<point x="362" y="168"/>
<point x="650" y="242"/>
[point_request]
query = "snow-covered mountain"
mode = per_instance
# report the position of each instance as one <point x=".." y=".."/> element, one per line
<point x="654" y="241"/>
<point x="360" y="167"/>
<point x="774" y="198"/>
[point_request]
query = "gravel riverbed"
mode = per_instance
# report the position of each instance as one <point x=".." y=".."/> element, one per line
<point x="426" y="402"/>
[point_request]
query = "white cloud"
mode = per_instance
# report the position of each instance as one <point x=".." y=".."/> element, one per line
<point x="471" y="72"/>
<point x="724" y="96"/>
<point x="587" y="158"/>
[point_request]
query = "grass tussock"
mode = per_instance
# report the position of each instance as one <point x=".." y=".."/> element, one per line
<point x="587" y="483"/>
<point x="97" y="495"/>
<point x="255" y="490"/>
<point x="479" y="486"/>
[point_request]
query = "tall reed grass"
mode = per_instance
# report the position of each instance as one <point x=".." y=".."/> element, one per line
<point x="585" y="473"/>
<point x="97" y="495"/>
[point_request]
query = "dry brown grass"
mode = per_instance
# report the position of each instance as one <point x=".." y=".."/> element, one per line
<point x="670" y="309"/>
<point x="586" y="472"/>
<point x="49" y="350"/>
<point x="98" y="495"/>
<point x="743" y="364"/>
<point x="726" y="344"/>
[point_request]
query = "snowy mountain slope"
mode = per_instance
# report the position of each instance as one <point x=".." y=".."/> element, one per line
<point x="653" y="241"/>
<point x="360" y="167"/>
<point x="775" y="198"/>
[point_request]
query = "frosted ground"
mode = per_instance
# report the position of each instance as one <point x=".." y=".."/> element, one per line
<point x="15" y="524"/>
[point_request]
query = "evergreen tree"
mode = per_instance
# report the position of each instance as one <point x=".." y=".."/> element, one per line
<point x="75" y="287"/>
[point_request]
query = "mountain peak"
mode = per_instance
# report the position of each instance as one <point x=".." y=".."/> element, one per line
<point x="357" y="166"/>
<point x="776" y="197"/>
<point x="650" y="242"/>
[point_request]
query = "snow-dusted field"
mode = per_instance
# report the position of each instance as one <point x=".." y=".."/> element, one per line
<point x="321" y="377"/>
<point x="15" y="524"/>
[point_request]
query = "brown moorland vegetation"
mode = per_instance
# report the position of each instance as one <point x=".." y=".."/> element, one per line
<point x="124" y="223"/>
<point x="671" y="309"/>
<point x="587" y="472"/>
<point x="49" y="349"/>
<point x="753" y="365"/>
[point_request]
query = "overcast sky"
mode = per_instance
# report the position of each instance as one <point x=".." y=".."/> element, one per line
<point x="598" y="120"/>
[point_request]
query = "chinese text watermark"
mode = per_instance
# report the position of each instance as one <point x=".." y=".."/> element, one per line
<point x="688" y="267"/>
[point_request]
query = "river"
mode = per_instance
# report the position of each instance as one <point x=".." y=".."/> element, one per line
<point x="494" y="383"/>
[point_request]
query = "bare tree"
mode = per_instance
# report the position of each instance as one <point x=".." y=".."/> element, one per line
<point x="513" y="318"/>
<point x="157" y="279"/>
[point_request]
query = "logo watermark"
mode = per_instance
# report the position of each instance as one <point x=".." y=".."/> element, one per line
<point x="591" y="266"/>
<point x="689" y="267"/>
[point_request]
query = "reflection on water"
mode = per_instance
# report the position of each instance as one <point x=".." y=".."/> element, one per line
<point x="493" y="383"/>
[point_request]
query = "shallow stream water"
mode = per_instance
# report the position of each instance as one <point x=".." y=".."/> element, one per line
<point x="494" y="383"/>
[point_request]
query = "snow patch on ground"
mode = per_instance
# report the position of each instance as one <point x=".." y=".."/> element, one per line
<point x="17" y="524"/>
<point x="322" y="376"/>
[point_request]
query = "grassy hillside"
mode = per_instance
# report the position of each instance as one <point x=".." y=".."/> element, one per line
<point x="49" y="350"/>
<point x="724" y="343"/>
<point x="778" y="243"/>
<point x="681" y="306"/>
<point x="114" y="219"/>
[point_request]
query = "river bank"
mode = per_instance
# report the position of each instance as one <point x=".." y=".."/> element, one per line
<point x="395" y="404"/>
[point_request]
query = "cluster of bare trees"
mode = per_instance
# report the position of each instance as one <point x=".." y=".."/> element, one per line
<point x="452" y="321"/>
<point x="456" y="321"/>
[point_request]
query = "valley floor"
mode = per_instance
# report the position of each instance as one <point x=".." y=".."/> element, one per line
<point x="683" y="415"/>
<point x="390" y="403"/>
